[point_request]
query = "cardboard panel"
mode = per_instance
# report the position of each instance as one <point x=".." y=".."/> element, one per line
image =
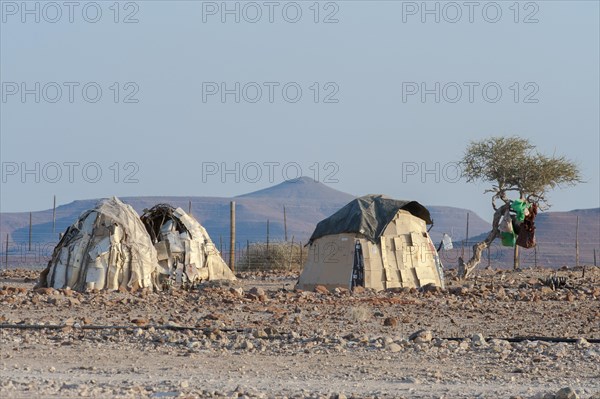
<point x="399" y="244"/>
<point x="370" y="250"/>
<point x="374" y="278"/>
<point x="425" y="275"/>
<point x="393" y="265"/>
<point x="386" y="272"/>
<point x="161" y="250"/>
<point x="330" y="261"/>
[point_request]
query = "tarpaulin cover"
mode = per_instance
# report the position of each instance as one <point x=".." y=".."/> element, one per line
<point x="368" y="215"/>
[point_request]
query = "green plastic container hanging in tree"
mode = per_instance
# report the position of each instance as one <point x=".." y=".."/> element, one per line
<point x="508" y="238"/>
<point x="507" y="233"/>
<point x="519" y="207"/>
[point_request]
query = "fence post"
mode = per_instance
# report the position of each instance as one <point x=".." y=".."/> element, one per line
<point x="577" y="242"/>
<point x="30" y="231"/>
<point x="6" y="254"/>
<point x="291" y="253"/>
<point x="284" y="224"/>
<point x="268" y="259"/>
<point x="54" y="216"/>
<point x="466" y="240"/>
<point x="232" y="236"/>
<point x="248" y="253"/>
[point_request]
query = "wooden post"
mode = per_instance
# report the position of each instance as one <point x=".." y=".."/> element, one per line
<point x="489" y="265"/>
<point x="516" y="260"/>
<point x="301" y="248"/>
<point x="577" y="242"/>
<point x="30" y="231"/>
<point x="6" y="254"/>
<point x="248" y="253"/>
<point x="221" y="244"/>
<point x="232" y="236"/>
<point x="268" y="258"/>
<point x="595" y="257"/>
<point x="466" y="240"/>
<point x="284" y="224"/>
<point x="267" y="238"/>
<point x="54" y="216"/>
<point x="291" y="253"/>
<point x="535" y="256"/>
<point x="189" y="207"/>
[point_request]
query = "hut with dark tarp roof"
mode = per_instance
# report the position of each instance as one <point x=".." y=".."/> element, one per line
<point x="373" y="242"/>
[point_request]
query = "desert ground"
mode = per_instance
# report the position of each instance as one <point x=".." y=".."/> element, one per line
<point x="501" y="334"/>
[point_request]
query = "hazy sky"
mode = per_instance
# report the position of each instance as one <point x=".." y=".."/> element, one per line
<point x="362" y="95"/>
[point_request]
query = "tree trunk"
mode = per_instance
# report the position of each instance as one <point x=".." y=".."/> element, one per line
<point x="465" y="269"/>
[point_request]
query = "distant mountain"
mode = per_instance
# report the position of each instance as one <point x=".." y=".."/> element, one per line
<point x="303" y="188"/>
<point x="306" y="202"/>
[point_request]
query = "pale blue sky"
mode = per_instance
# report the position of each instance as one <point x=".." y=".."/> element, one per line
<point x="369" y="55"/>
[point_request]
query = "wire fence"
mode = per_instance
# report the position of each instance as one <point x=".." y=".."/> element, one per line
<point x="249" y="255"/>
<point x="292" y="255"/>
<point x="545" y="254"/>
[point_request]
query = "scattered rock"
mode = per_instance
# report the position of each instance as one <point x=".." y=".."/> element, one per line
<point x="459" y="291"/>
<point x="358" y="290"/>
<point x="544" y="289"/>
<point x="431" y="287"/>
<point x="478" y="340"/>
<point x="259" y="292"/>
<point x="321" y="289"/>
<point x="260" y="333"/>
<point x="567" y="393"/>
<point x="421" y="336"/>
<point x="69" y="322"/>
<point x="74" y="302"/>
<point x="45" y="291"/>
<point x="393" y="347"/>
<point x="248" y="345"/>
<point x="390" y="322"/>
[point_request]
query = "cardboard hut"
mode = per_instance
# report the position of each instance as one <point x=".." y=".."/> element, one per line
<point x="373" y="242"/>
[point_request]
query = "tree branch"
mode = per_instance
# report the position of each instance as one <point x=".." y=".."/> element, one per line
<point x="465" y="269"/>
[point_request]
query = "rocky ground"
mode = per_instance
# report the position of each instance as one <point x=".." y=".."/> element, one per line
<point x="495" y="336"/>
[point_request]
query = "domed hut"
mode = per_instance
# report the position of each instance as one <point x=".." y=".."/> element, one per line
<point x="186" y="254"/>
<point x="373" y="242"/>
<point x="106" y="248"/>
